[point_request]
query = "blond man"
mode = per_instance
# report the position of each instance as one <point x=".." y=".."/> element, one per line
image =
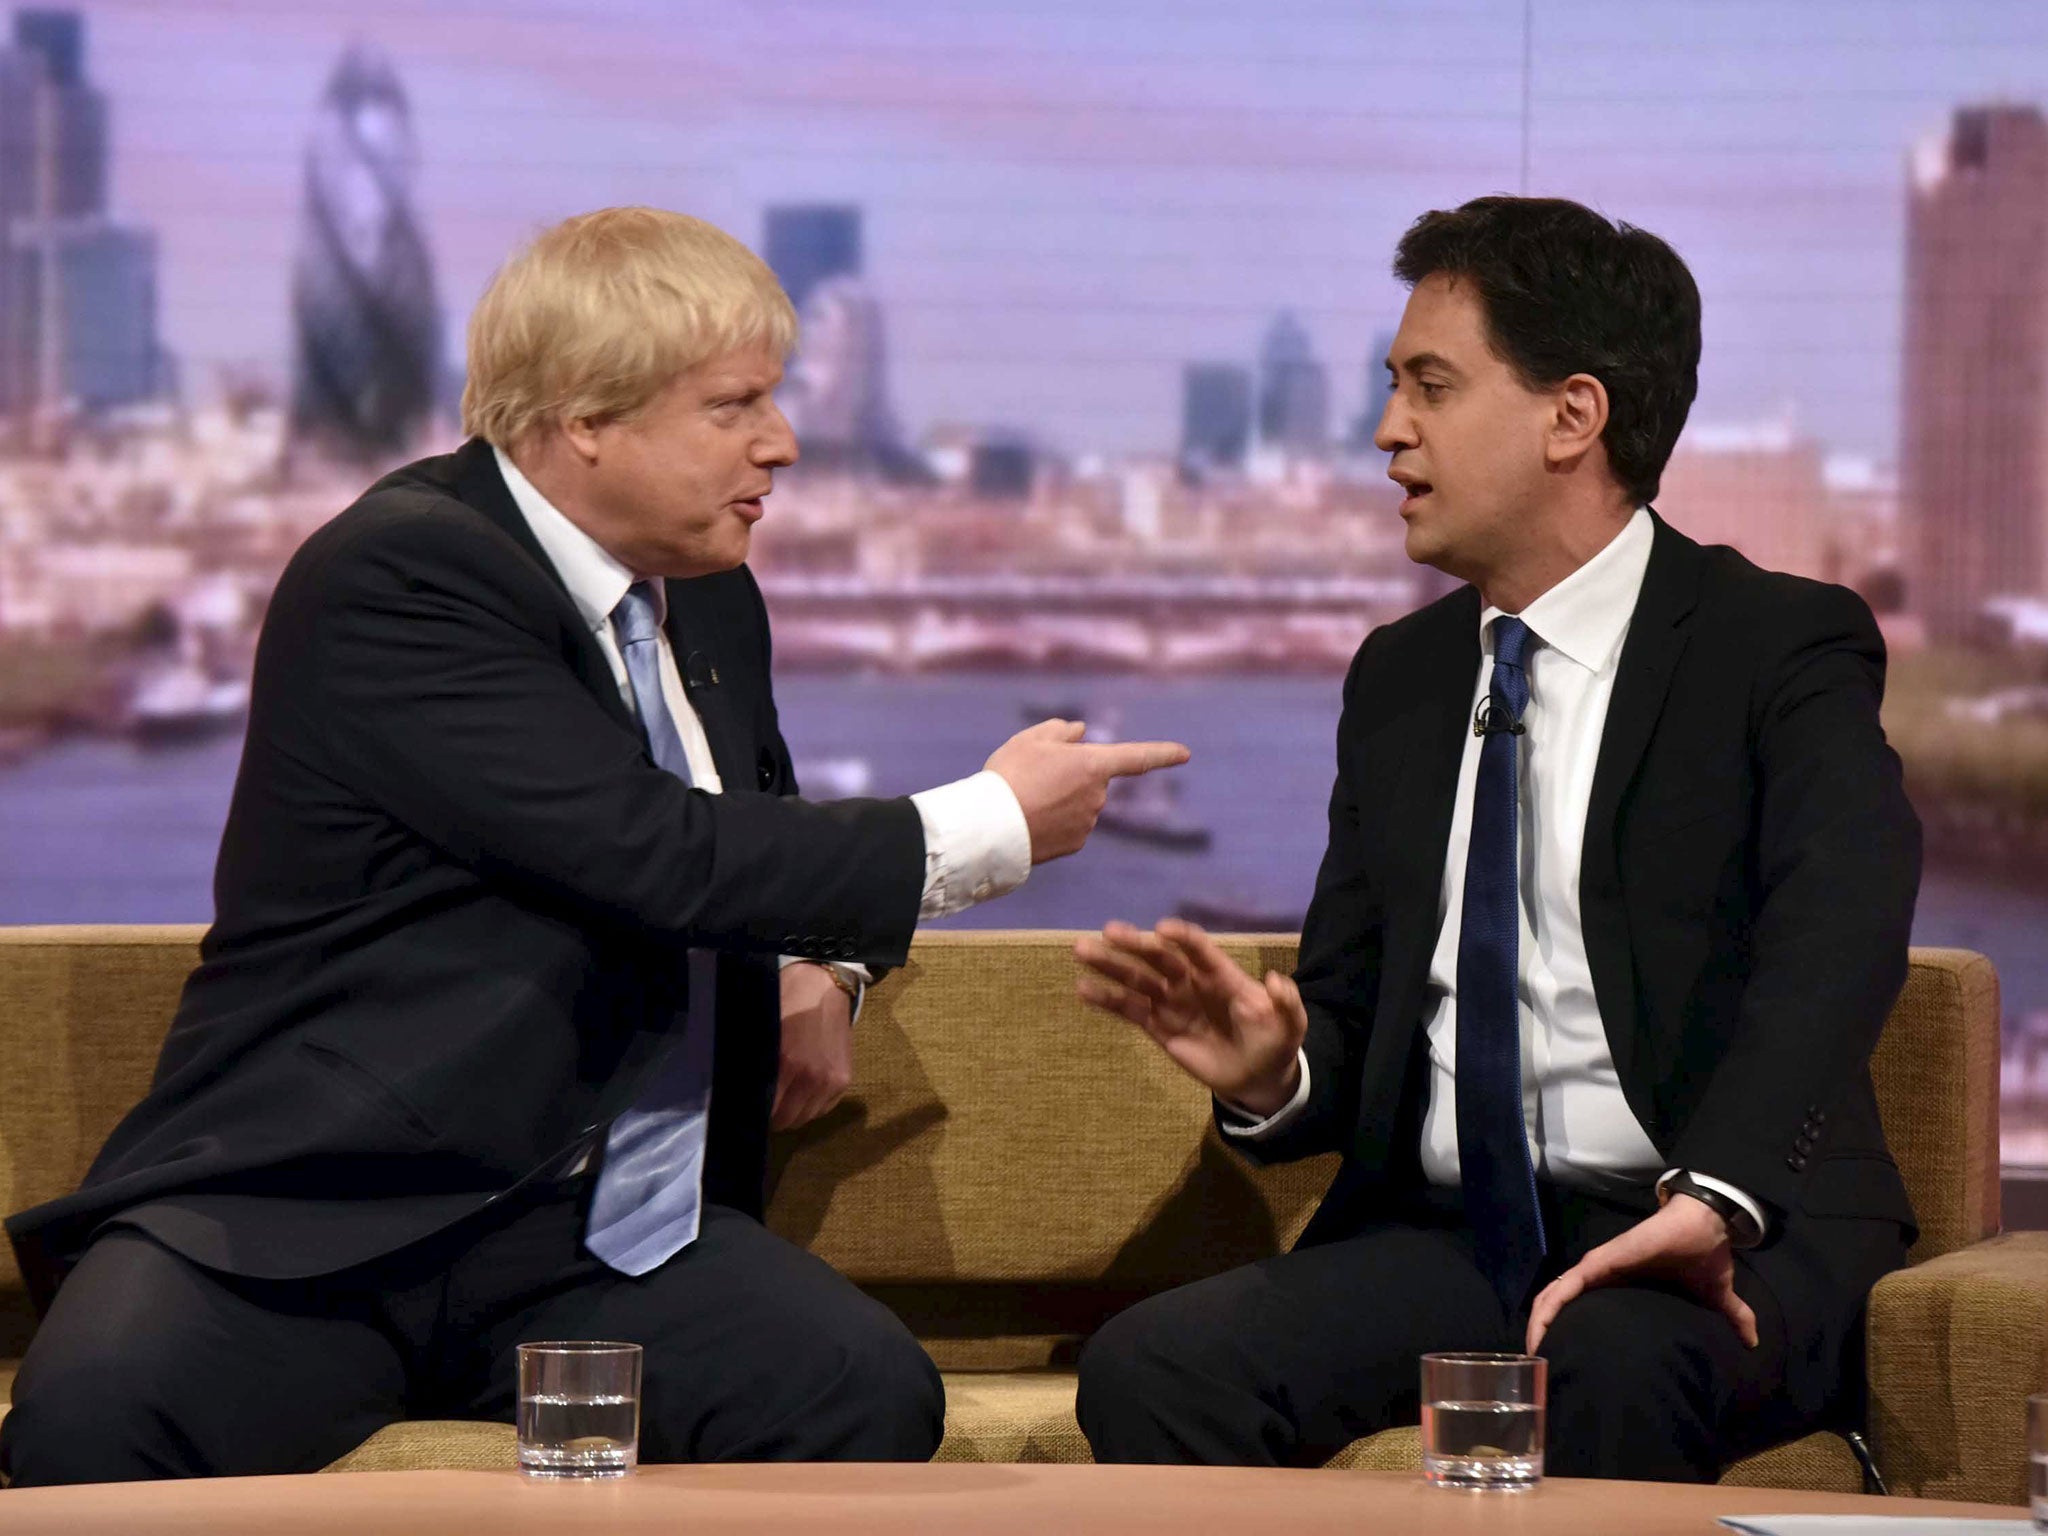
<point x="523" y="937"/>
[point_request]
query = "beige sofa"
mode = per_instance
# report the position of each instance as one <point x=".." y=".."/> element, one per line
<point x="1011" y="1170"/>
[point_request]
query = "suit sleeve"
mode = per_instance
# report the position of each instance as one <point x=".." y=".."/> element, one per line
<point x="437" y="693"/>
<point x="1839" y="866"/>
<point x="1339" y="966"/>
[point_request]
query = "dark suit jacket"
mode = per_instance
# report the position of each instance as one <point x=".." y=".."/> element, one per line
<point x="1746" y="890"/>
<point x="455" y="895"/>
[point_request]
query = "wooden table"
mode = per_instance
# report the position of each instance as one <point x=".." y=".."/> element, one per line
<point x="977" y="1500"/>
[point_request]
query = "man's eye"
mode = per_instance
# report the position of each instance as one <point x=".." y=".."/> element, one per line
<point x="1431" y="391"/>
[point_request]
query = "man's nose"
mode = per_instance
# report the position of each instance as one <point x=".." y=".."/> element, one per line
<point x="1397" y="426"/>
<point x="776" y="447"/>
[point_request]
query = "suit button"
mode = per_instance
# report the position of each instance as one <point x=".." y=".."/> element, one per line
<point x="1819" y="1116"/>
<point x="791" y="944"/>
<point x="1802" y="1146"/>
<point x="845" y="949"/>
<point x="1795" y="1163"/>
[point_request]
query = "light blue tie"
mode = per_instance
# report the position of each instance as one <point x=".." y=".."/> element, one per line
<point x="650" y="1189"/>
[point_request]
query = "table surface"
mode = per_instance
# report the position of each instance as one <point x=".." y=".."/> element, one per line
<point x="949" y="1498"/>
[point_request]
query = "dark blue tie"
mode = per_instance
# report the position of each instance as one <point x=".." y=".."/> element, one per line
<point x="1493" y="1146"/>
<point x="649" y="1192"/>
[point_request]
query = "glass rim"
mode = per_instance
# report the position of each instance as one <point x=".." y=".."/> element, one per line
<point x="1481" y="1357"/>
<point x="579" y="1347"/>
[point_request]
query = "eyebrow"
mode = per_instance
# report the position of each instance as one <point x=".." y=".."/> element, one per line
<point x="1415" y="363"/>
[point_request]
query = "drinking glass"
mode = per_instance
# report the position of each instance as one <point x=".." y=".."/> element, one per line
<point x="1482" y="1420"/>
<point x="579" y="1408"/>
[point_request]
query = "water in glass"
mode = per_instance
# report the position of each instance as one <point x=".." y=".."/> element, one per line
<point x="1482" y="1444"/>
<point x="565" y="1436"/>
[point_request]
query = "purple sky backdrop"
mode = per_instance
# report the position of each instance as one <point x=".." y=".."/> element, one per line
<point x="1067" y="199"/>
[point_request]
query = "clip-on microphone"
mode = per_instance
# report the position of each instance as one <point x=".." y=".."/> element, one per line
<point x="698" y="672"/>
<point x="1492" y="719"/>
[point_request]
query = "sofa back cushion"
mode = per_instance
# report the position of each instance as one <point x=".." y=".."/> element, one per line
<point x="82" y="1013"/>
<point x="1000" y="1136"/>
<point x="999" y="1132"/>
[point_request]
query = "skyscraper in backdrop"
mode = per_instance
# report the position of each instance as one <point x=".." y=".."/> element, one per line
<point x="1973" y="436"/>
<point x="838" y="391"/>
<point x="366" y="320"/>
<point x="810" y="243"/>
<point x="78" y="300"/>
<point x="1379" y="386"/>
<point x="1215" y="417"/>
<point x="1294" y="391"/>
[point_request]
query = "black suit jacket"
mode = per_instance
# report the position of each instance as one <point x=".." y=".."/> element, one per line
<point x="455" y="895"/>
<point x="1746" y="889"/>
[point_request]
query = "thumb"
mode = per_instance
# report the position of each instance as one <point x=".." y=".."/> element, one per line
<point x="1287" y="999"/>
<point x="1060" y="730"/>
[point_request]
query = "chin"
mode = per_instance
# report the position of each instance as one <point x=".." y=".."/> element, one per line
<point x="1421" y="545"/>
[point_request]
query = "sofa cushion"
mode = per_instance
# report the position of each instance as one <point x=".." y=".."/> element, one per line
<point x="1822" y="1462"/>
<point x="421" y="1445"/>
<point x="1000" y="1132"/>
<point x="1011" y="1416"/>
<point x="1003" y="1416"/>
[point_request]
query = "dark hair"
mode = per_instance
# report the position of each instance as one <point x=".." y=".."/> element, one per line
<point x="1564" y="291"/>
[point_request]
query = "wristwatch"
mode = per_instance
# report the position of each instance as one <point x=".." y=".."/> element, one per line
<point x="1742" y="1227"/>
<point x="851" y="986"/>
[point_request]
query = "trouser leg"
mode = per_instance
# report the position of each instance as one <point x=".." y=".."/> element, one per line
<point x="754" y="1349"/>
<point x="150" y="1366"/>
<point x="1288" y="1360"/>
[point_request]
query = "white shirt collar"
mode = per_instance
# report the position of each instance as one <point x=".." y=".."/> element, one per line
<point x="1585" y="615"/>
<point x="595" y="580"/>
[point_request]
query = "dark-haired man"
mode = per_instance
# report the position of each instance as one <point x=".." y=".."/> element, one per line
<point x="1616" y="900"/>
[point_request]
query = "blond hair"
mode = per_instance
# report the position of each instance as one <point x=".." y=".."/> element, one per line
<point x="600" y="313"/>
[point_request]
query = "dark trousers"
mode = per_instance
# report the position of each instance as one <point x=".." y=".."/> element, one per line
<point x="150" y="1366"/>
<point x="1286" y="1361"/>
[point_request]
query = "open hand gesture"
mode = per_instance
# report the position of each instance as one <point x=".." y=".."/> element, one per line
<point x="1236" y="1036"/>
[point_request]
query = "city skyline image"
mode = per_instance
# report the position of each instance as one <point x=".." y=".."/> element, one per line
<point x="1049" y="193"/>
<point x="1095" y="302"/>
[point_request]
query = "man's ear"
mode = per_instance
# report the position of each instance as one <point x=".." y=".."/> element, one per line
<point x="581" y="434"/>
<point x="1577" y="421"/>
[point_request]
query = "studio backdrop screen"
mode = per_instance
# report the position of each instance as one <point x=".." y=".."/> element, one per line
<point x="1095" y="301"/>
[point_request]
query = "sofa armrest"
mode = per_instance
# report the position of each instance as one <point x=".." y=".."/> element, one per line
<point x="1956" y="1346"/>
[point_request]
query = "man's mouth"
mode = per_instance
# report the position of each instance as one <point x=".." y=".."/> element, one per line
<point x="1412" y="493"/>
<point x="751" y="509"/>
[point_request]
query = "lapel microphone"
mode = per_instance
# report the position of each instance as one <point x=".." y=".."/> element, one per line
<point x="1491" y="718"/>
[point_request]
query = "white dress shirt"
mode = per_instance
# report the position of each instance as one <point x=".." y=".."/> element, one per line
<point x="1582" y="1132"/>
<point x="976" y="844"/>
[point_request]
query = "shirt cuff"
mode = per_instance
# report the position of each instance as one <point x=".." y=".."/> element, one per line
<point x="853" y="971"/>
<point x="1722" y="1187"/>
<point x="976" y="843"/>
<point x="1239" y="1122"/>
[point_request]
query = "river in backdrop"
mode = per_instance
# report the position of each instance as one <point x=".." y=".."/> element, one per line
<point x="96" y="830"/>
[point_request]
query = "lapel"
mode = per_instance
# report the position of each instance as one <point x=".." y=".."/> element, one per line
<point x="1428" y="726"/>
<point x="1657" y="635"/>
<point x="1431" y="724"/>
<point x="711" y="691"/>
<point x="479" y="486"/>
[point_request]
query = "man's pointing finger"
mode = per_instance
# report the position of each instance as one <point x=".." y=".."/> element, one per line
<point x="1125" y="758"/>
